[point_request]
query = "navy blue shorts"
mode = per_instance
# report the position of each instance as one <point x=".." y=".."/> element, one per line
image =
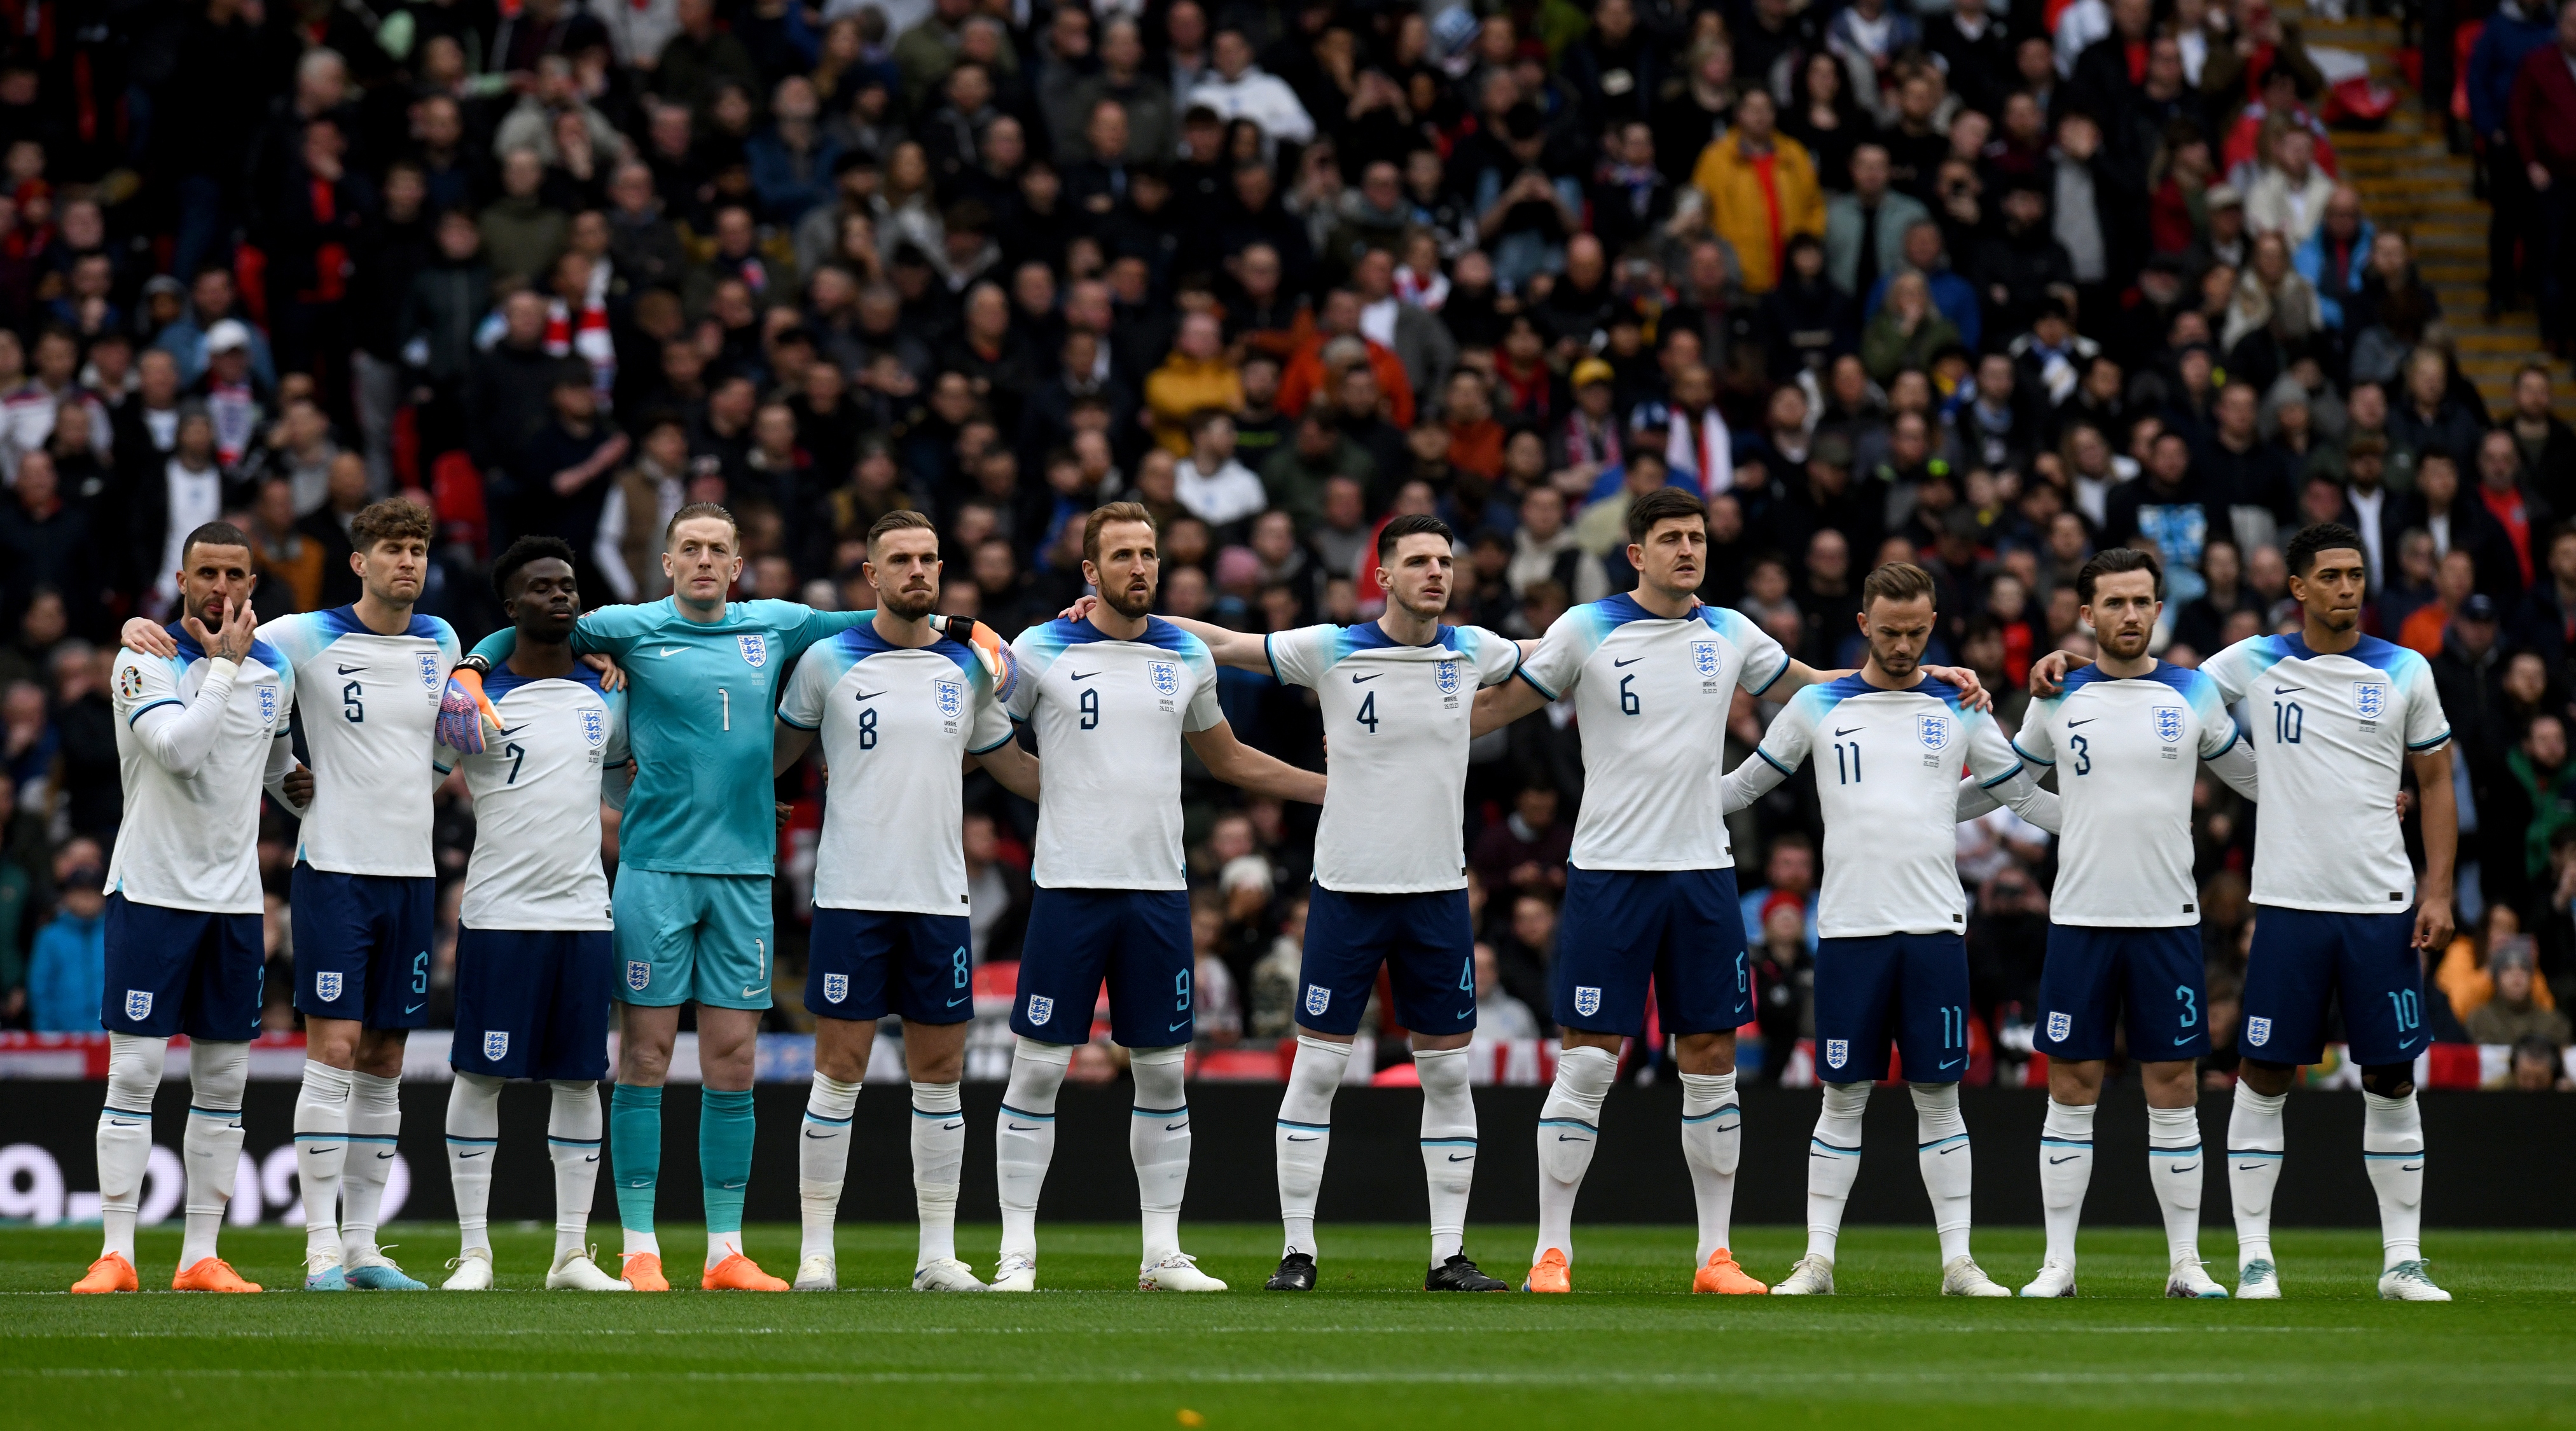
<point x="866" y="964"/>
<point x="174" y="971"/>
<point x="1426" y="941"/>
<point x="1137" y="939"/>
<point x="1912" y="987"/>
<point x="2301" y="955"/>
<point x="362" y="946"/>
<point x="532" y="1003"/>
<point x="2095" y="975"/>
<point x="1682" y="928"/>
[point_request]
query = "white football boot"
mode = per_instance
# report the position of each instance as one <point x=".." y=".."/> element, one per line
<point x="2191" y="1280"/>
<point x="1964" y="1278"/>
<point x="1176" y="1273"/>
<point x="577" y="1270"/>
<point x="2259" y="1281"/>
<point x="1812" y="1277"/>
<point x="946" y="1275"/>
<point x="2055" y="1279"/>
<point x="1017" y="1272"/>
<point x="818" y="1273"/>
<point x="470" y="1272"/>
<point x="2410" y="1281"/>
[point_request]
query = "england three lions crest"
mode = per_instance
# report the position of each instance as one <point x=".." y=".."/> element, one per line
<point x="836" y="987"/>
<point x="1932" y="730"/>
<point x="755" y="650"/>
<point x="268" y="705"/>
<point x="2169" y="724"/>
<point x="1587" y="1000"/>
<point x="952" y="699"/>
<point x="1705" y="661"/>
<point x="1318" y="999"/>
<point x="2370" y="698"/>
<point x="2059" y="1026"/>
<point x="1165" y="675"/>
<point x="1446" y="674"/>
<point x="496" y="1045"/>
<point x="1041" y="1008"/>
<point x="138" y="1004"/>
<point x="2258" y="1032"/>
<point x="1837" y="1052"/>
<point x="594" y="727"/>
<point x="429" y="675"/>
<point x="326" y="986"/>
<point x="638" y="974"/>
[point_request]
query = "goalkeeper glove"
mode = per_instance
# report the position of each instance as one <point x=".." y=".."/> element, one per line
<point x="989" y="648"/>
<point x="466" y="721"/>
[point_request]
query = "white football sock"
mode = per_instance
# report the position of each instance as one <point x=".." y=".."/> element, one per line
<point x="2255" y="1143"/>
<point x="1448" y="1146"/>
<point x="212" y="1146"/>
<point x="1833" y="1161"/>
<point x="375" y="1128"/>
<point x="1304" y="1134"/>
<point x="1569" y="1128"/>
<point x="574" y="1126"/>
<point x="2174" y="1171"/>
<point x="721" y="1245"/>
<point x="473" y="1145"/>
<point x="2392" y="1148"/>
<point x="125" y="1136"/>
<point x="1024" y="1138"/>
<point x="1158" y="1142"/>
<point x="1712" y="1143"/>
<point x="938" y="1162"/>
<point x="1941" y="1148"/>
<point x="2065" y="1171"/>
<point x="823" y="1160"/>
<point x="321" y="1150"/>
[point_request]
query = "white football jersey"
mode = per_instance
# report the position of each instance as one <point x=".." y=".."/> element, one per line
<point x="1887" y="779"/>
<point x="536" y="862"/>
<point x="2333" y="734"/>
<point x="1110" y="715"/>
<point x="370" y="708"/>
<point x="191" y="840"/>
<point x="1651" y="696"/>
<point x="897" y="724"/>
<point x="2127" y="752"/>
<point x="1395" y="773"/>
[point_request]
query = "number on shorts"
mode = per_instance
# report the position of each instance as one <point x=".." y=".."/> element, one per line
<point x="1181" y="992"/>
<point x="2190" y="1004"/>
<point x="1954" y="1027"/>
<point x="420" y="972"/>
<point x="353" y="707"/>
<point x="960" y="969"/>
<point x="2410" y="1015"/>
<point x="1743" y="976"/>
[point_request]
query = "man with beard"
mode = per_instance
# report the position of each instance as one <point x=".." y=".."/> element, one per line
<point x="901" y="709"/>
<point x="1111" y="692"/>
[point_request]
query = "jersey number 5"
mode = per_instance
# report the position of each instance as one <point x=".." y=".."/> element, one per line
<point x="353" y="706"/>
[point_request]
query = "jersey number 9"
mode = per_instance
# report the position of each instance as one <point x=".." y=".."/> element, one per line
<point x="1090" y="706"/>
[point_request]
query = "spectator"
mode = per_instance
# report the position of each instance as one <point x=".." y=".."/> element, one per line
<point x="1209" y="483"/>
<point x="1500" y="1017"/>
<point x="67" y="970"/>
<point x="1760" y="188"/>
<point x="2513" y="1014"/>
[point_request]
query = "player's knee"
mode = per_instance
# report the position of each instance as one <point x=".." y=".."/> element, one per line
<point x="2265" y="1078"/>
<point x="2388" y="1080"/>
<point x="1705" y="1053"/>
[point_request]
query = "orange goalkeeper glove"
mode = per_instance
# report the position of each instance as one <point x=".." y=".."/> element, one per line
<point x="989" y="648"/>
<point x="466" y="721"/>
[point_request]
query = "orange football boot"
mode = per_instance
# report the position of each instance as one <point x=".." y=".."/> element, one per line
<point x="110" y="1273"/>
<point x="1549" y="1275"/>
<point x="643" y="1272"/>
<point x="738" y="1273"/>
<point x="210" y="1274"/>
<point x="1722" y="1275"/>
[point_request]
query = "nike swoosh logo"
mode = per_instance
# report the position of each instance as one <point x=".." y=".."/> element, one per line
<point x="351" y="670"/>
<point x="2180" y="1040"/>
<point x="592" y="1158"/>
<point x="2185" y="1168"/>
<point x="749" y="989"/>
<point x="2411" y="1168"/>
<point x="1462" y="1157"/>
<point x="2285" y="690"/>
<point x="1176" y="1028"/>
<point x="810" y="1133"/>
<point x="1954" y="1063"/>
<point x="1570" y="1138"/>
<point x="2249" y="1167"/>
<point x="731" y="1187"/>
<point x="1629" y="662"/>
<point x="233" y="1127"/>
<point x="2088" y="720"/>
<point x="1854" y="728"/>
<point x="1355" y="680"/>
<point x="667" y="650"/>
<point x="866" y="695"/>
<point x="2071" y="1157"/>
<point x="121" y="1123"/>
<point x="952" y="1003"/>
<point x="1945" y="1152"/>
<point x="514" y="730"/>
<point x="1023" y="1127"/>
<point x="462" y="1156"/>
<point x="1174" y="1127"/>
<point x="1303" y="1137"/>
<point x="380" y="1157"/>
<point x="960" y="1123"/>
<point x="1080" y="675"/>
<point x="414" y="1008"/>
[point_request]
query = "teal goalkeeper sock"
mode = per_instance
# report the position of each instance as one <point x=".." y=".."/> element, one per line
<point x="635" y="1152"/>
<point x="724" y="1155"/>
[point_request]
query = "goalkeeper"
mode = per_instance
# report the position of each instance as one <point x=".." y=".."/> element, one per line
<point x="695" y="857"/>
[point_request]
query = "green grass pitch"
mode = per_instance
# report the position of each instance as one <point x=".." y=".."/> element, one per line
<point x="1367" y="1349"/>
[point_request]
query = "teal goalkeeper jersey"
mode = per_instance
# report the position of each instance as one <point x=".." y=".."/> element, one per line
<point x="698" y="704"/>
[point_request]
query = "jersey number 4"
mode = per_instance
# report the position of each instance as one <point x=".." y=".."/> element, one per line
<point x="1368" y="713"/>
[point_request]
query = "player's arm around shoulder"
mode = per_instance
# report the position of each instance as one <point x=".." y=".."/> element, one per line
<point x="1238" y="764"/>
<point x="1998" y="767"/>
<point x="1243" y="650"/>
<point x="1528" y="688"/>
<point x="1782" y="749"/>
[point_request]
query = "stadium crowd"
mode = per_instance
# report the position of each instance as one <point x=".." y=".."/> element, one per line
<point x="1980" y="289"/>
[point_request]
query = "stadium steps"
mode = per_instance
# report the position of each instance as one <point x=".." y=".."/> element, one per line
<point x="2410" y="180"/>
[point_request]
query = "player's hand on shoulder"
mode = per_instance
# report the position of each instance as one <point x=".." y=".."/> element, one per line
<point x="612" y="676"/>
<point x="1972" y="692"/>
<point x="1082" y="607"/>
<point x="147" y="638"/>
<point x="2048" y="673"/>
